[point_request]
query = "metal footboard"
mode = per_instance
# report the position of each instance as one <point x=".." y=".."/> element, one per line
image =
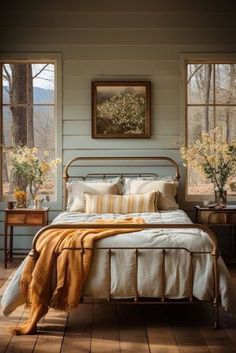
<point x="213" y="252"/>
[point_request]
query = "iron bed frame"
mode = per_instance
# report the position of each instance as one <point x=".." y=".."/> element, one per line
<point x="164" y="251"/>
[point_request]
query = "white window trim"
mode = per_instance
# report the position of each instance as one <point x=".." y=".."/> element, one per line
<point x="183" y="59"/>
<point x="57" y="59"/>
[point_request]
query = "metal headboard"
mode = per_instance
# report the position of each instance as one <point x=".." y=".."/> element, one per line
<point x="77" y="161"/>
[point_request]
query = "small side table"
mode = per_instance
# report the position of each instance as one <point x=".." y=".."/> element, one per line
<point x="21" y="217"/>
<point x="215" y="217"/>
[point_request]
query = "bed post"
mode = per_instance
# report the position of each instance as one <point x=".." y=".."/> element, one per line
<point x="216" y="300"/>
<point x="65" y="179"/>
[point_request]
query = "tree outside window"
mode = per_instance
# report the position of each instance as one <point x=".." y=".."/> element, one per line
<point x="211" y="102"/>
<point x="27" y="115"/>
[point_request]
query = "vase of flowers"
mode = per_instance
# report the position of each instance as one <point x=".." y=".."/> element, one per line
<point x="30" y="170"/>
<point x="215" y="159"/>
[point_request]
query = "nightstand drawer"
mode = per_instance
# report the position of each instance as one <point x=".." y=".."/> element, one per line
<point x="34" y="218"/>
<point x="223" y="223"/>
<point x="211" y="217"/>
<point x="225" y="215"/>
<point x="21" y="217"/>
<point x="16" y="218"/>
<point x="37" y="218"/>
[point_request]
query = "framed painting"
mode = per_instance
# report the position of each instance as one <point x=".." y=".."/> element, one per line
<point x="121" y="109"/>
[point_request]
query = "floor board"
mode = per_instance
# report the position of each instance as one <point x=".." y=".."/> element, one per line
<point x="78" y="331"/>
<point x="121" y="328"/>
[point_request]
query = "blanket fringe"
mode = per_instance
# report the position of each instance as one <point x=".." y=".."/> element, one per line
<point x="71" y="269"/>
<point x="27" y="277"/>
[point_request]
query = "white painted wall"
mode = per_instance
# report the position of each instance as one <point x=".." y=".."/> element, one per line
<point x="118" y="40"/>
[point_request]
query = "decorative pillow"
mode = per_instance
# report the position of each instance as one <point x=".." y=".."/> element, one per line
<point x="125" y="180"/>
<point x="167" y="191"/>
<point x="76" y="189"/>
<point x="122" y="204"/>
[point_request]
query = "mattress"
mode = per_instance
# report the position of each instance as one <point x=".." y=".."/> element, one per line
<point x="122" y="283"/>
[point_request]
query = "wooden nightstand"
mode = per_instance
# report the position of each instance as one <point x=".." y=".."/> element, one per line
<point x="21" y="217"/>
<point x="218" y="217"/>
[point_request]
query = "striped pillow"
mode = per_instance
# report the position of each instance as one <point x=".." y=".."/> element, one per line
<point x="122" y="204"/>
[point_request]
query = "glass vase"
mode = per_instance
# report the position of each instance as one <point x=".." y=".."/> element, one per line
<point x="221" y="196"/>
<point x="31" y="194"/>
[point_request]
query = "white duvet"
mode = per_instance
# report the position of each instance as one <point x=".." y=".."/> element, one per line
<point x="123" y="274"/>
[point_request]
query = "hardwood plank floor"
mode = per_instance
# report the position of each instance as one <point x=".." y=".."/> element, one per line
<point x="121" y="329"/>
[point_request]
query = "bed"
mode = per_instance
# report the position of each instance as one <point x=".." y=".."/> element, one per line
<point x="170" y="260"/>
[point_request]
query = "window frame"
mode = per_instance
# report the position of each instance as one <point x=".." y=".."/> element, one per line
<point x="197" y="58"/>
<point x="56" y="59"/>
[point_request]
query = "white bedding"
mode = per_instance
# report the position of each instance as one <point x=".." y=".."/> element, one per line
<point x="149" y="266"/>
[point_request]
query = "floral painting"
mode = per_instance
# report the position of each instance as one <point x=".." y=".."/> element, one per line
<point x="121" y="109"/>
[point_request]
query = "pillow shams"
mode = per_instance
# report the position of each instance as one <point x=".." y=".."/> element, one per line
<point x="126" y="180"/>
<point x="122" y="204"/>
<point x="77" y="188"/>
<point x="167" y="191"/>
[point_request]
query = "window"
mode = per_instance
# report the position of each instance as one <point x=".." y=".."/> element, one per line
<point x="210" y="102"/>
<point x="28" y="114"/>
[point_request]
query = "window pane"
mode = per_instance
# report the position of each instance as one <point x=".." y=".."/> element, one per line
<point x="44" y="140"/>
<point x="16" y="122"/>
<point x="18" y="83"/>
<point x="6" y="78"/>
<point x="226" y="118"/>
<point x="197" y="184"/>
<point x="14" y="133"/>
<point x="7" y="122"/>
<point x="43" y="83"/>
<point x="200" y="83"/>
<point x="225" y="75"/>
<point x="44" y="129"/>
<point x="199" y="119"/>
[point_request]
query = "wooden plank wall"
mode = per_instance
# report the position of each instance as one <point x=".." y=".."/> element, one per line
<point x="118" y="40"/>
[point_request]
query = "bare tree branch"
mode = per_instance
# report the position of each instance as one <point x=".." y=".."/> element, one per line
<point x="194" y="72"/>
<point x="45" y="79"/>
<point x="38" y="73"/>
<point x="5" y="89"/>
<point x="49" y="70"/>
<point x="8" y="76"/>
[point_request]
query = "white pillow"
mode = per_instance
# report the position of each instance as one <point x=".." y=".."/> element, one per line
<point x="125" y="180"/>
<point x="167" y="191"/>
<point x="75" y="190"/>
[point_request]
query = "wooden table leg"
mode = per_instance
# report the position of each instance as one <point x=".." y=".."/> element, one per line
<point x="5" y="246"/>
<point x="11" y="242"/>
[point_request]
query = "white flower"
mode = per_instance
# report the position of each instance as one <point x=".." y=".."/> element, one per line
<point x="213" y="157"/>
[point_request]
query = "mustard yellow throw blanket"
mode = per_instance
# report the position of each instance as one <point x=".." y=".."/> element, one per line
<point x="72" y="269"/>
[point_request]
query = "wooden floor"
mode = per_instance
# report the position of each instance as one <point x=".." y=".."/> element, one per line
<point x="121" y="329"/>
